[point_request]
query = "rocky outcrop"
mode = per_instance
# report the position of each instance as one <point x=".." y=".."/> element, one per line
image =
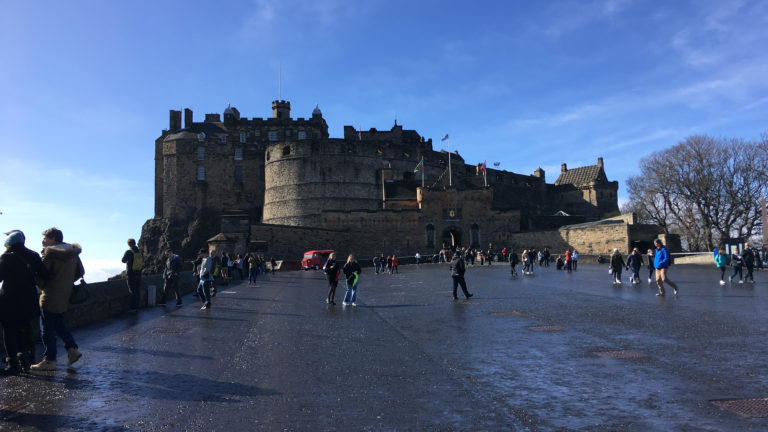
<point x="184" y="238"/>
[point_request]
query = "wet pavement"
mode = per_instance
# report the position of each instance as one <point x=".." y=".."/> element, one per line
<point x="554" y="351"/>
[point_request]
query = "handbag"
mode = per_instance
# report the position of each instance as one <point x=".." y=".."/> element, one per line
<point x="610" y="270"/>
<point x="79" y="293"/>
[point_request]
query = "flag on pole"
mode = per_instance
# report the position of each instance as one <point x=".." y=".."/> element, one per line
<point x="483" y="166"/>
<point x="445" y="137"/>
<point x="419" y="166"/>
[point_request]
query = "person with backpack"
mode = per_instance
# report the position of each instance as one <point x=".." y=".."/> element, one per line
<point x="134" y="262"/>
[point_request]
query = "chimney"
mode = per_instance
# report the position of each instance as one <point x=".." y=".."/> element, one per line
<point x="187" y="118"/>
<point x="175" y="121"/>
<point x="600" y="162"/>
<point x="563" y="168"/>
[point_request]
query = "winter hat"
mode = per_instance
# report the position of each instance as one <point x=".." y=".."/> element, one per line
<point x="14" y="237"/>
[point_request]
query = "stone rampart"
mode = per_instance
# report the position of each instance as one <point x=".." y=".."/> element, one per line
<point x="111" y="298"/>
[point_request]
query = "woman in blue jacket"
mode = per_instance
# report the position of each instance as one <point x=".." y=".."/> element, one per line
<point x="721" y="261"/>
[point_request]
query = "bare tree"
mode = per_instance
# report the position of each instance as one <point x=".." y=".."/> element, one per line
<point x="703" y="188"/>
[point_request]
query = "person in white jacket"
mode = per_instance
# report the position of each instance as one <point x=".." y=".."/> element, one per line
<point x="206" y="277"/>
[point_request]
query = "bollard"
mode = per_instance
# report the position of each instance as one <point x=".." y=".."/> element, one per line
<point x="151" y="295"/>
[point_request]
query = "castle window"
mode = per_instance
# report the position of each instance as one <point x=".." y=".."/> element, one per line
<point x="223" y="139"/>
<point x="242" y="137"/>
<point x="475" y="235"/>
<point x="201" y="153"/>
<point x="499" y="178"/>
<point x="302" y="135"/>
<point x="238" y="154"/>
<point x="201" y="173"/>
<point x="430" y="236"/>
<point x="238" y="174"/>
<point x="288" y="132"/>
<point x="286" y="151"/>
<point x="201" y="136"/>
<point x="273" y="135"/>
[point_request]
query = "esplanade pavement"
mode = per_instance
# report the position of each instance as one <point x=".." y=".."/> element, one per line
<point x="553" y="351"/>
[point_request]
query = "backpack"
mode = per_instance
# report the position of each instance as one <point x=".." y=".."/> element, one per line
<point x="138" y="261"/>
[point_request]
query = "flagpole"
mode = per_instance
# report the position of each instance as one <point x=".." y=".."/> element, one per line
<point x="485" y="180"/>
<point x="450" y="181"/>
<point x="422" y="172"/>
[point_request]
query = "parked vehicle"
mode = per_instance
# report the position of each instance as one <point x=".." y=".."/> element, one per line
<point x="315" y="259"/>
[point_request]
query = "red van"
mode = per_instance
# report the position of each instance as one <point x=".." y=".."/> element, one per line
<point x="315" y="259"/>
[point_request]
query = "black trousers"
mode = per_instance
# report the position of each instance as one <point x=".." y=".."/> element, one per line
<point x="459" y="280"/>
<point x="172" y="284"/>
<point x="134" y="283"/>
<point x="750" y="269"/>
<point x="12" y="335"/>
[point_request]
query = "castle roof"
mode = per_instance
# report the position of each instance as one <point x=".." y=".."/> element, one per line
<point x="191" y="132"/>
<point x="581" y="176"/>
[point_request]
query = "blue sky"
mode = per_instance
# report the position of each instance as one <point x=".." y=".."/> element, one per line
<point x="85" y="87"/>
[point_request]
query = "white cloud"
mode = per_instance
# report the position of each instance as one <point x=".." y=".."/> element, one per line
<point x="99" y="270"/>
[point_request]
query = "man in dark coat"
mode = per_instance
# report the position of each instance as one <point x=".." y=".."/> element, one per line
<point x="458" y="268"/>
<point x="19" y="267"/>
<point x="748" y="256"/>
<point x="173" y="267"/>
<point x="133" y="275"/>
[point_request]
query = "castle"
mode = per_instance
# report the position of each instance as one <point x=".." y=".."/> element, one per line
<point x="281" y="186"/>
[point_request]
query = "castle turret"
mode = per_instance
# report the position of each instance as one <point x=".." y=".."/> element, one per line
<point x="231" y="114"/>
<point x="281" y="109"/>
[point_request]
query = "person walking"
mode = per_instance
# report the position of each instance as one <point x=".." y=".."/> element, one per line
<point x="661" y="263"/>
<point x="721" y="262"/>
<point x="173" y="267"/>
<point x="253" y="268"/>
<point x="273" y="264"/>
<point x="531" y="261"/>
<point x="352" y="275"/>
<point x="575" y="260"/>
<point x="331" y="269"/>
<point x="513" y="261"/>
<point x="418" y="258"/>
<point x="134" y="262"/>
<point x="376" y="263"/>
<point x="651" y="258"/>
<point x="206" y="279"/>
<point x="394" y="264"/>
<point x="737" y="262"/>
<point x="617" y="264"/>
<point x="239" y="263"/>
<point x="634" y="263"/>
<point x="62" y="261"/>
<point x="748" y="255"/>
<point x="19" y="267"/>
<point x="458" y="268"/>
<point x="568" y="260"/>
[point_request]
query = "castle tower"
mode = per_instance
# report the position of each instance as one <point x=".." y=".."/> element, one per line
<point x="281" y="109"/>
